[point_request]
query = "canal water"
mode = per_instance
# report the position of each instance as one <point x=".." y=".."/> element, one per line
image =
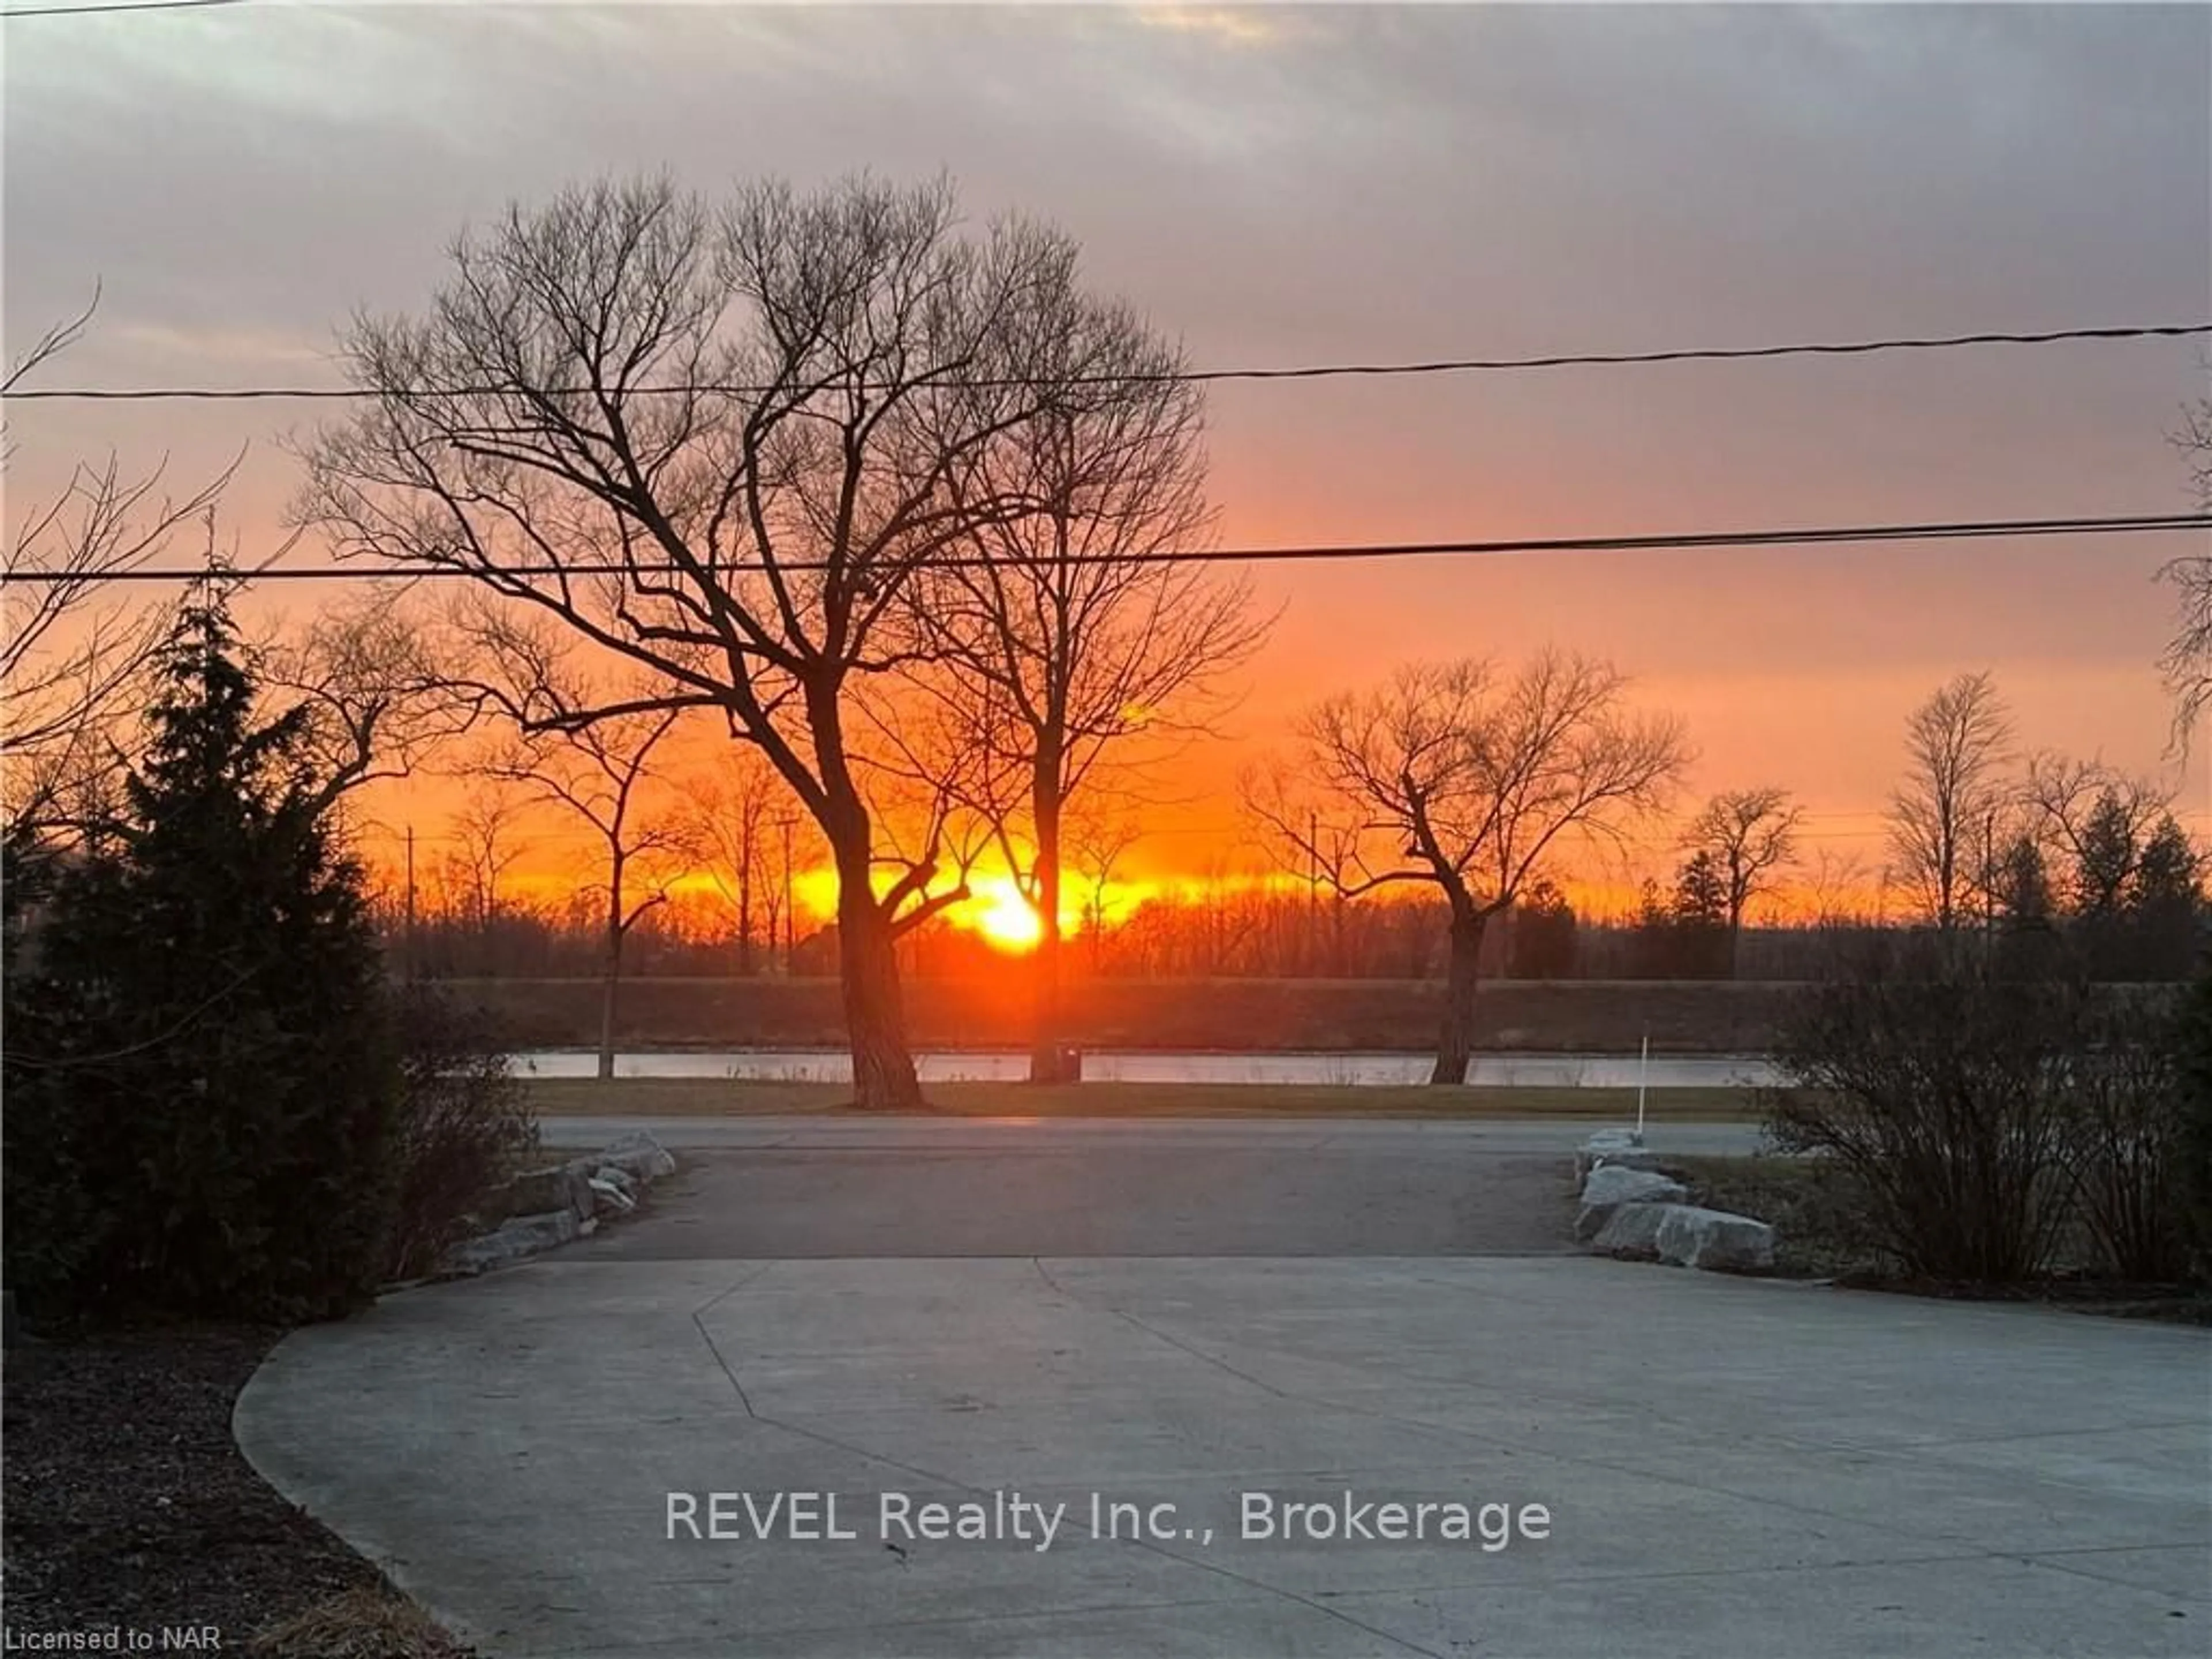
<point x="1131" y="1066"/>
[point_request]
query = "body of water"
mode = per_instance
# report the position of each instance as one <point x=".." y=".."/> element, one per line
<point x="1133" y="1066"/>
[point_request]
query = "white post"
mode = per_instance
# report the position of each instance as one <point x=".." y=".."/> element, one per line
<point x="1643" y="1065"/>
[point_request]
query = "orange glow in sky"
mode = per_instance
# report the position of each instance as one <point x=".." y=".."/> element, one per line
<point x="1276" y="187"/>
<point x="1002" y="916"/>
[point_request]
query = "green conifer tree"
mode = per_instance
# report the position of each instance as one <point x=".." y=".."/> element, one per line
<point x="204" y="1081"/>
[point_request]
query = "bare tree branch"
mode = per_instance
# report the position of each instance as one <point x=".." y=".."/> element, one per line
<point x="576" y="393"/>
<point x="1065" y="638"/>
<point x="1749" y="834"/>
<point x="69" y="666"/>
<point x="2187" y="661"/>
<point x="1943" y="816"/>
<point x="1456" y="778"/>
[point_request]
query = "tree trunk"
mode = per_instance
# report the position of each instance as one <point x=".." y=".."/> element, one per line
<point x="875" y="1016"/>
<point x="1455" y="1040"/>
<point x="1045" y="1064"/>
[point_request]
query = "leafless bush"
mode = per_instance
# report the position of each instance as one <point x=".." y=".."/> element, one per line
<point x="2123" y="1139"/>
<point x="1948" y="1092"/>
<point x="464" y="1125"/>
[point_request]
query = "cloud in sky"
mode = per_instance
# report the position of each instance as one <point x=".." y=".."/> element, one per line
<point x="1228" y="26"/>
<point x="1282" y="184"/>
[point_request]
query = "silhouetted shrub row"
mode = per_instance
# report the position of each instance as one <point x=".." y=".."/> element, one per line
<point x="2003" y="1124"/>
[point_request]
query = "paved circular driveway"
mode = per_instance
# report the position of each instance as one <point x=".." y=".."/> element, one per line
<point x="1724" y="1467"/>
<point x="1044" y="1190"/>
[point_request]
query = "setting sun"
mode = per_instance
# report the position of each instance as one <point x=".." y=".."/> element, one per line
<point x="1004" y="917"/>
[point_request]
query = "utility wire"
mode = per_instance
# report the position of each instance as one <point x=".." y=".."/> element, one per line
<point x="1311" y="372"/>
<point x="114" y="5"/>
<point x="1966" y="530"/>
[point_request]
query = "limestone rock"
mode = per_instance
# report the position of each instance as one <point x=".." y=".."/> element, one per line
<point x="616" y="1177"/>
<point x="1601" y="1143"/>
<point x="515" y="1239"/>
<point x="1612" y="1185"/>
<point x="640" y="1157"/>
<point x="538" y="1192"/>
<point x="612" y="1200"/>
<point x="1692" y="1237"/>
<point x="1627" y="1158"/>
<point x="1688" y="1237"/>
<point x="1632" y="1229"/>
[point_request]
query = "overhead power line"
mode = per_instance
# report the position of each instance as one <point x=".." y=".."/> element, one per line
<point x="2137" y="524"/>
<point x="114" y="5"/>
<point x="1311" y="372"/>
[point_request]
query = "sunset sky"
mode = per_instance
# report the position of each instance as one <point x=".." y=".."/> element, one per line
<point x="1281" y="186"/>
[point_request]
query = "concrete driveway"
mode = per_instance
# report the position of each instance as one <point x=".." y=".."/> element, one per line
<point x="1013" y="1187"/>
<point x="1723" y="1466"/>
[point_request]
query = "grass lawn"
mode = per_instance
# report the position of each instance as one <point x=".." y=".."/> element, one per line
<point x="661" y="1097"/>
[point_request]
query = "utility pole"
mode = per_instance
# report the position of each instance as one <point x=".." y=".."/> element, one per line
<point x="1312" y="890"/>
<point x="411" y="902"/>
<point x="790" y="928"/>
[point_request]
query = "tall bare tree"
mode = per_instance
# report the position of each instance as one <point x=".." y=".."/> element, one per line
<point x="1071" y="630"/>
<point x="70" y="656"/>
<point x="1749" y="836"/>
<point x="728" y="817"/>
<point x="2188" y="659"/>
<point x="1838" y="881"/>
<point x="485" y="845"/>
<point x="719" y="443"/>
<point x="1943" y="816"/>
<point x="2088" y="819"/>
<point x="1305" y="836"/>
<point x="1457" y="777"/>
<point x="597" y="772"/>
<point x="1097" y="844"/>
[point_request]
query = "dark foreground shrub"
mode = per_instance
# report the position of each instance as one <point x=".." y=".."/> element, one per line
<point x="2124" y="1131"/>
<point x="2193" y="1131"/>
<point x="464" y="1124"/>
<point x="200" y="1071"/>
<point x="1945" y="1092"/>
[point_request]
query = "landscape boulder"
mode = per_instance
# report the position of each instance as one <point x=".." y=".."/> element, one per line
<point x="1625" y="1158"/>
<point x="542" y="1209"/>
<point x="612" y="1200"/>
<point x="538" y="1192"/>
<point x="615" y="1177"/>
<point x="1693" y="1237"/>
<point x="1685" y="1236"/>
<point x="517" y="1237"/>
<point x="1610" y="1186"/>
<point x="1632" y="1229"/>
<point x="640" y="1157"/>
<point x="1602" y="1144"/>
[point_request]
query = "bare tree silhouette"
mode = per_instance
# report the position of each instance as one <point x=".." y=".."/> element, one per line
<point x="1071" y="632"/>
<point x="69" y="661"/>
<point x="1943" y="814"/>
<point x="596" y="771"/>
<point x="736" y="433"/>
<point x="2188" y="659"/>
<point x="1749" y="834"/>
<point x="1453" y="777"/>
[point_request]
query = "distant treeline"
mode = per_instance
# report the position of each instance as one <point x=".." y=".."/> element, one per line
<point x="1273" y="935"/>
